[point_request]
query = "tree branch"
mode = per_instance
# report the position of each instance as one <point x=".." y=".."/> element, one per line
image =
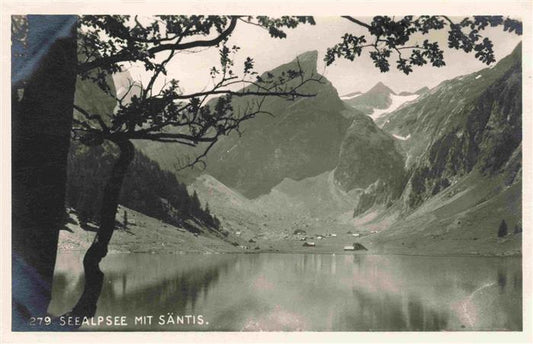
<point x="356" y="21"/>
<point x="199" y="158"/>
<point x="126" y="56"/>
<point x="247" y="93"/>
<point x="92" y="117"/>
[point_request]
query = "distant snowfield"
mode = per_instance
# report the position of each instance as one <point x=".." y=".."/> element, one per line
<point x="403" y="138"/>
<point x="397" y="101"/>
<point x="351" y="96"/>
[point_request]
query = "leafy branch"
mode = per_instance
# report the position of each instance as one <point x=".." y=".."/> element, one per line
<point x="389" y="37"/>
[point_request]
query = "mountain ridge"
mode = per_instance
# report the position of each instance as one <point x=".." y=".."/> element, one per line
<point x="429" y="200"/>
<point x="302" y="139"/>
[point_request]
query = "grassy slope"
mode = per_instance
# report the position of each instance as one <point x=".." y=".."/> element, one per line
<point x="146" y="235"/>
<point x="464" y="219"/>
<point x="461" y="220"/>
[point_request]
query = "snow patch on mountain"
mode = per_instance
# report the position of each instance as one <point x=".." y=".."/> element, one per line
<point x="351" y="96"/>
<point x="403" y="138"/>
<point x="397" y="101"/>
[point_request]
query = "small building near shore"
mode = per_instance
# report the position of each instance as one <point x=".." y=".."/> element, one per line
<point x="355" y="247"/>
<point x="359" y="247"/>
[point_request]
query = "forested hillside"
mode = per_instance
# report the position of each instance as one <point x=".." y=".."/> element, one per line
<point x="147" y="188"/>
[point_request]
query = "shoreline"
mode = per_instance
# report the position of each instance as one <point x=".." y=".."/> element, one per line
<point x="519" y="255"/>
<point x="151" y="236"/>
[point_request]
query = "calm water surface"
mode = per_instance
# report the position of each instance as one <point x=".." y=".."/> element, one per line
<point x="308" y="292"/>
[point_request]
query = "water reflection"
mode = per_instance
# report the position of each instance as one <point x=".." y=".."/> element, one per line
<point x="291" y="292"/>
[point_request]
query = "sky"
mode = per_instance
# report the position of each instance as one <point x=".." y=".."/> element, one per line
<point x="192" y="69"/>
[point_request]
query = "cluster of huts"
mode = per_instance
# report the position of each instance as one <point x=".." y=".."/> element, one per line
<point x="308" y="243"/>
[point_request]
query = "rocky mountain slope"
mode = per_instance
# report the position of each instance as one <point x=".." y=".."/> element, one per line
<point x="301" y="140"/>
<point x="472" y="122"/>
<point x="378" y="97"/>
<point x="370" y="162"/>
<point x="448" y="106"/>
<point x="438" y="179"/>
<point x="380" y="100"/>
<point x="463" y="152"/>
<point x="308" y="138"/>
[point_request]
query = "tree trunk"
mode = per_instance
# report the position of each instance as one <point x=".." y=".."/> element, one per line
<point x="42" y="110"/>
<point x="94" y="277"/>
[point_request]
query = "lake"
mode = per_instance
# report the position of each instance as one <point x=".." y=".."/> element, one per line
<point x="299" y="292"/>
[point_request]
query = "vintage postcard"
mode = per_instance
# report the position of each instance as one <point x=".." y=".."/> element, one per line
<point x="259" y="171"/>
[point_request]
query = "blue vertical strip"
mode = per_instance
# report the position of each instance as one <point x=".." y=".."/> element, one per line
<point x="42" y="32"/>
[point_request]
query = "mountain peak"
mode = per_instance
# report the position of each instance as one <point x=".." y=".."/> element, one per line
<point x="308" y="55"/>
<point x="380" y="88"/>
<point x="422" y="90"/>
<point x="308" y="60"/>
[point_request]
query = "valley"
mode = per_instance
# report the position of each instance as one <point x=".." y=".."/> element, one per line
<point x="195" y="172"/>
<point x="431" y="172"/>
<point x="402" y="190"/>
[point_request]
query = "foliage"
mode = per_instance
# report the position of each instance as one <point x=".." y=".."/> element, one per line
<point x="390" y="37"/>
<point x="146" y="189"/>
<point x="167" y="114"/>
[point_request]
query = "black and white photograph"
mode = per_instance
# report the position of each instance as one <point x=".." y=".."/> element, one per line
<point x="215" y="172"/>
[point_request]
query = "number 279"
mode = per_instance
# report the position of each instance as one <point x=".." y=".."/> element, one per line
<point x="39" y="321"/>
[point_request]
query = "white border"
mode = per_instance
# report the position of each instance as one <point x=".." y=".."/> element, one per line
<point x="520" y="9"/>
